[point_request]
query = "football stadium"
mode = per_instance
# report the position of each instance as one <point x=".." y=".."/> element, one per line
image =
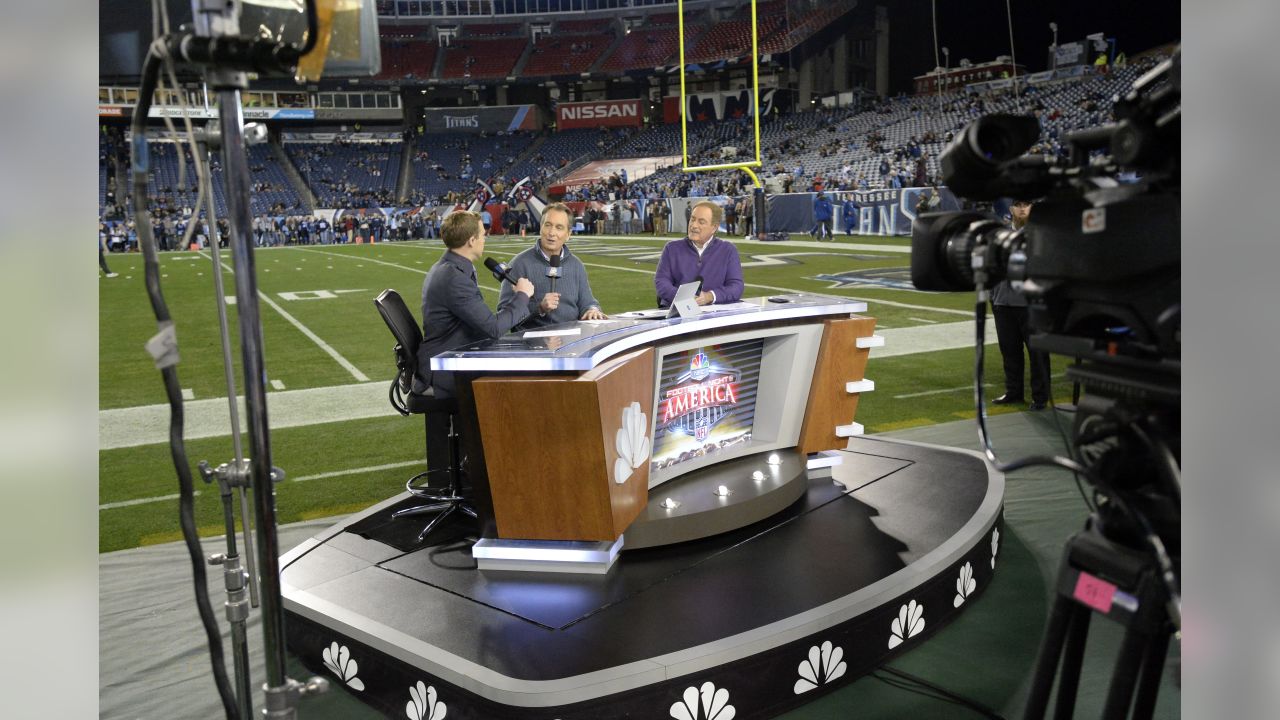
<point x="765" y="452"/>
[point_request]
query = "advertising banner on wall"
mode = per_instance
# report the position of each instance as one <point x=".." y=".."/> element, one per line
<point x="503" y="118"/>
<point x="1068" y="54"/>
<point x="708" y="107"/>
<point x="598" y="113"/>
<point x="879" y="212"/>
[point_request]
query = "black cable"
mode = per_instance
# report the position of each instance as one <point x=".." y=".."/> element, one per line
<point x="186" y="503"/>
<point x="918" y="685"/>
<point x="984" y="436"/>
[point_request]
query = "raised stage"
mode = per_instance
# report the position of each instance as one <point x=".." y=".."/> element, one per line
<point x="864" y="565"/>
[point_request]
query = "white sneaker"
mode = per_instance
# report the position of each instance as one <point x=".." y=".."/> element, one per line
<point x="113" y="274"/>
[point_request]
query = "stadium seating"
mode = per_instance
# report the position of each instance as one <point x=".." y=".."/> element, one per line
<point x="482" y="58"/>
<point x="441" y="160"/>
<point x="566" y="55"/>
<point x="838" y="145"/>
<point x="565" y="145"/>
<point x="270" y="185"/>
<point x="347" y="175"/>
<point x="584" y="27"/>
<point x="648" y="47"/>
<point x="407" y="59"/>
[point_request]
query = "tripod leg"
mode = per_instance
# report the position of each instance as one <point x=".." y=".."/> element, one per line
<point x="1125" y="676"/>
<point x="1048" y="656"/>
<point x="1072" y="659"/>
<point x="1149" y="682"/>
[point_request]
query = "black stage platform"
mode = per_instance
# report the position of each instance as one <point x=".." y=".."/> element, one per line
<point x="762" y="618"/>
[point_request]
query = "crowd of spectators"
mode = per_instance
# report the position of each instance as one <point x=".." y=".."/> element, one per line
<point x="892" y="144"/>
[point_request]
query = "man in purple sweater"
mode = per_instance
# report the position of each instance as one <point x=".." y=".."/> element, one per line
<point x="701" y="255"/>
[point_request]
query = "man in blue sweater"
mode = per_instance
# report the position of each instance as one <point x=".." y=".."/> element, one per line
<point x="702" y="256"/>
<point x="571" y="297"/>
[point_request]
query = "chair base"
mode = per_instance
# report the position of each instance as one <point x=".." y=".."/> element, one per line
<point x="444" y="509"/>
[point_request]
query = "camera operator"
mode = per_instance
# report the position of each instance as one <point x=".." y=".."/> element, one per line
<point x="1013" y="331"/>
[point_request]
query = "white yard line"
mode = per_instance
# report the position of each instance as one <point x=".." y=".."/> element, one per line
<point x="925" y="393"/>
<point x="345" y="363"/>
<point x="304" y="478"/>
<point x="357" y="471"/>
<point x="149" y="424"/>
<point x="139" y="501"/>
<point x="773" y="288"/>
<point x="328" y="349"/>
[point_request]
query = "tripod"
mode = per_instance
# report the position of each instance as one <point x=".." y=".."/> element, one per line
<point x="1100" y="575"/>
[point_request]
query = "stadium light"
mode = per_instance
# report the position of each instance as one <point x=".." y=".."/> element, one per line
<point x="1053" y="49"/>
<point x="755" y="102"/>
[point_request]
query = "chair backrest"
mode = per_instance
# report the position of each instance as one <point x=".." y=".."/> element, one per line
<point x="404" y="327"/>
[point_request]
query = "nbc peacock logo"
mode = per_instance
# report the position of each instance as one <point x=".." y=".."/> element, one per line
<point x="699" y="366"/>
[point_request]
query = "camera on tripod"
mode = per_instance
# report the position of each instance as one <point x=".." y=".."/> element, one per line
<point x="1099" y="262"/>
<point x="1099" y="259"/>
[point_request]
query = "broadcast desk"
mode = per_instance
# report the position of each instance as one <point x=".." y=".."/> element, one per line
<point x="571" y="429"/>
<point x="639" y="551"/>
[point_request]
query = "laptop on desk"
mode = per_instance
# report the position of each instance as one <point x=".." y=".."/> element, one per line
<point x="684" y="304"/>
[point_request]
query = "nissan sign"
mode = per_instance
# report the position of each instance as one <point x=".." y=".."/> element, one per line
<point x="601" y="113"/>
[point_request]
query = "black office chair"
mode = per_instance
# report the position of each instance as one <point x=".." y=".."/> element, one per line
<point x="439" y="414"/>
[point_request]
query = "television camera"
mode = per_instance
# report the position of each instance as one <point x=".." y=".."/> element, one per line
<point x="1099" y="263"/>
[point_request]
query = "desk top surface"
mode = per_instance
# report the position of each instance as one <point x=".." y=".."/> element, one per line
<point x="584" y="344"/>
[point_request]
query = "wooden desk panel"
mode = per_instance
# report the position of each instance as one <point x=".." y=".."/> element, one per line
<point x="551" y="449"/>
<point x="830" y="404"/>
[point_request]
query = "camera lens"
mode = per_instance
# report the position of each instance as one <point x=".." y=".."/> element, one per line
<point x="943" y="247"/>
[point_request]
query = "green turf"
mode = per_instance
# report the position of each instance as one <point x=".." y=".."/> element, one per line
<point x="911" y="390"/>
<point x="148" y="471"/>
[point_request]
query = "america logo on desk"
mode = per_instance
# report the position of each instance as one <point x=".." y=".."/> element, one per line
<point x="706" y="400"/>
<point x="698" y="401"/>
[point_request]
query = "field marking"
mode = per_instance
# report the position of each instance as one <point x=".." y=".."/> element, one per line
<point x="939" y="392"/>
<point x="304" y="478"/>
<point x="356" y="471"/>
<point x="774" y="288"/>
<point x="141" y="501"/>
<point x="278" y="385"/>
<point x="149" y="424"/>
<point x="345" y="363"/>
<point x="870" y="247"/>
<point x="188" y="394"/>
<point x="957" y="389"/>
<point x="389" y="264"/>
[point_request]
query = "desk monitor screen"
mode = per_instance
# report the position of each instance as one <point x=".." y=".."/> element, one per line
<point x="706" y="401"/>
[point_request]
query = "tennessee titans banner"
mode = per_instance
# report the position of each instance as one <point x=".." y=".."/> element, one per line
<point x="875" y="212"/>
<point x="502" y="118"/>
<point x="889" y="212"/>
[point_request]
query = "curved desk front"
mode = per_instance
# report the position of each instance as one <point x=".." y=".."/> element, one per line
<point x="570" y="427"/>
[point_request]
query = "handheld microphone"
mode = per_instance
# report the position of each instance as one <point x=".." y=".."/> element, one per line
<point x="698" y="280"/>
<point x="553" y="271"/>
<point x="501" y="271"/>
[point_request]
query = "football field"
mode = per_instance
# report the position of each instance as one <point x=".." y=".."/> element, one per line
<point x="329" y="360"/>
